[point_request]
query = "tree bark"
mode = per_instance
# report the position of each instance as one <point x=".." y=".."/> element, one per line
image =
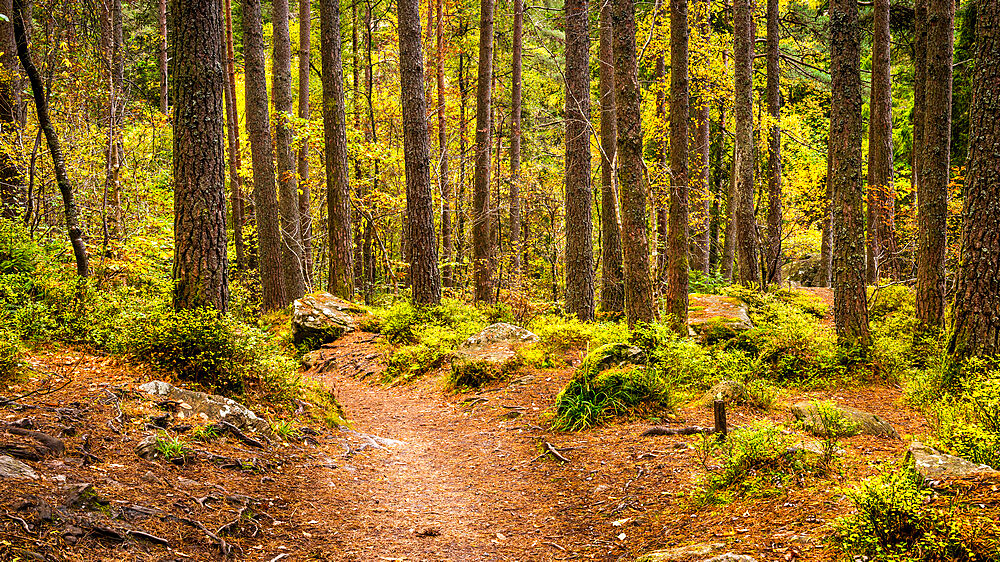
<point x="462" y="149"/>
<point x="579" y="229"/>
<point x="849" y="296"/>
<point x="919" y="84"/>
<point x="12" y="189"/>
<point x="639" y="305"/>
<point x="881" y="193"/>
<point x="976" y="313"/>
<point x="233" y="132"/>
<point x="932" y="191"/>
<point x="612" y="284"/>
<point x="424" y="275"/>
<point x="774" y="257"/>
<point x="305" y="195"/>
<point x="661" y="196"/>
<point x="700" y="154"/>
<point x="515" y="139"/>
<point x="677" y="253"/>
<point x="824" y="275"/>
<point x="262" y="159"/>
<point x="73" y="229"/>
<point x="116" y="101"/>
<point x="338" y="189"/>
<point x="164" y="89"/>
<point x="482" y="224"/>
<point x="201" y="268"/>
<point x="745" y="226"/>
<point x="443" y="175"/>
<point x="288" y="189"/>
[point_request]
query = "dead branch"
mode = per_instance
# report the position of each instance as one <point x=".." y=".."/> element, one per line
<point x="689" y="430"/>
<point x="235" y="432"/>
<point x="55" y="445"/>
<point x="37" y="392"/>
<point x="225" y="548"/>
<point x="148" y="537"/>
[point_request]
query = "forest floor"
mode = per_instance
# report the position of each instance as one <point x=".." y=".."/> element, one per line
<point x="422" y="474"/>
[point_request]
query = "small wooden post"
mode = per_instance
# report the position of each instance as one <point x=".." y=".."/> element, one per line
<point x="719" y="407"/>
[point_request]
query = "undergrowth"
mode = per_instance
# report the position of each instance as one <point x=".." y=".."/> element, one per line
<point x="756" y="461"/>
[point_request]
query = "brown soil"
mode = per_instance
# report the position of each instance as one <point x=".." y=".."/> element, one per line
<point x="423" y="475"/>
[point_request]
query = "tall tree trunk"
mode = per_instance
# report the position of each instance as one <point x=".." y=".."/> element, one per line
<point x="824" y="275"/>
<point x="164" y="96"/>
<point x="305" y="195"/>
<point x="201" y="268"/>
<point x="881" y="194"/>
<point x="745" y="227"/>
<point x="370" y="137"/>
<point x="579" y="244"/>
<point x="424" y="275"/>
<point x="462" y="149"/>
<point x="729" y="244"/>
<point x="774" y="256"/>
<point x="976" y="313"/>
<point x="932" y="190"/>
<point x="482" y="225"/>
<point x="262" y="159"/>
<point x="12" y="189"/>
<point x="288" y="189"/>
<point x="662" y="194"/>
<point x="849" y="298"/>
<point x="338" y="189"/>
<point x="677" y="267"/>
<point x="919" y="85"/>
<point x="116" y="101"/>
<point x="639" y="305"/>
<point x="443" y="177"/>
<point x="612" y="284"/>
<point x="45" y="123"/>
<point x="233" y="133"/>
<point x="515" y="141"/>
<point x="700" y="148"/>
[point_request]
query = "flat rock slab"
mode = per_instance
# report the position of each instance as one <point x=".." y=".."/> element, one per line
<point x="935" y="466"/>
<point x="717" y="317"/>
<point x="13" y="468"/>
<point x="320" y="318"/>
<point x="677" y="554"/>
<point x="209" y="407"/>
<point x="496" y="344"/>
<point x="807" y="413"/>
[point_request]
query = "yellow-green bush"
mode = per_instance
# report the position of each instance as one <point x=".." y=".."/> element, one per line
<point x="11" y="356"/>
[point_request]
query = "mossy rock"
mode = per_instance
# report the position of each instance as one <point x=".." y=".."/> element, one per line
<point x="728" y="391"/>
<point x="320" y="318"/>
<point x="607" y="356"/>
<point x="851" y="420"/>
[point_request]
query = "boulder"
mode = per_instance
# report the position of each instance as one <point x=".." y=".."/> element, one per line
<point x="677" y="554"/>
<point x="933" y="465"/>
<point x="320" y="318"/>
<point x="209" y="407"/>
<point x="729" y="391"/>
<point x="495" y="345"/>
<point x="853" y="421"/>
<point x="805" y="271"/>
<point x="12" y="468"/>
<point x="717" y="317"/>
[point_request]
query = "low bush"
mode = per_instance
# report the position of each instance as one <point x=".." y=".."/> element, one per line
<point x="476" y="374"/>
<point x="11" y="356"/>
<point x="754" y="461"/>
<point x="896" y="520"/>
<point x="558" y="335"/>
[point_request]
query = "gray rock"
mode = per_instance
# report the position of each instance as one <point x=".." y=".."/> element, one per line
<point x="807" y="413"/>
<point x="679" y="553"/>
<point x="209" y="407"/>
<point x="933" y="465"/>
<point x="146" y="448"/>
<point x="13" y="468"/>
<point x="730" y="557"/>
<point x="496" y="345"/>
<point x="805" y="271"/>
<point x="321" y="318"/>
<point x="729" y="391"/>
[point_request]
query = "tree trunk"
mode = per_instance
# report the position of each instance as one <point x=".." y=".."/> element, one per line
<point x="729" y="244"/>
<point x="579" y="244"/>
<point x="662" y="193"/>
<point x="201" y="269"/>
<point x="443" y="177"/>
<point x="745" y="226"/>
<point x="881" y="198"/>
<point x="612" y="284"/>
<point x="976" y="314"/>
<point x="288" y="189"/>
<point x="233" y="133"/>
<point x="338" y="189"/>
<point x="515" y="140"/>
<point x="424" y="275"/>
<point x="462" y="148"/>
<point x="774" y="256"/>
<point x="164" y="97"/>
<point x="12" y="189"/>
<point x="919" y="84"/>
<point x="849" y="297"/>
<point x="482" y="225"/>
<point x="73" y="229"/>
<point x="305" y="195"/>
<point x="116" y="102"/>
<point x="639" y="305"/>
<point x="262" y="159"/>
<point x="700" y="158"/>
<point x="677" y="266"/>
<point x="932" y="190"/>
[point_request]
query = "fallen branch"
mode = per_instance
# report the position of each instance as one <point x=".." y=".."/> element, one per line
<point x="225" y="548"/>
<point x="148" y="537"/>
<point x="36" y="392"/>
<point x="235" y="432"/>
<point x="689" y="430"/>
<point x="55" y="445"/>
<point x="550" y="450"/>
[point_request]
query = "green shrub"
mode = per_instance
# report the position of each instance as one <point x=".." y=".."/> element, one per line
<point x="559" y="334"/>
<point x="11" y="356"/>
<point x="763" y="394"/>
<point x="893" y="522"/>
<point x="18" y="253"/>
<point x="889" y="301"/>
<point x="476" y="374"/>
<point x="755" y="461"/>
<point x="699" y="282"/>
